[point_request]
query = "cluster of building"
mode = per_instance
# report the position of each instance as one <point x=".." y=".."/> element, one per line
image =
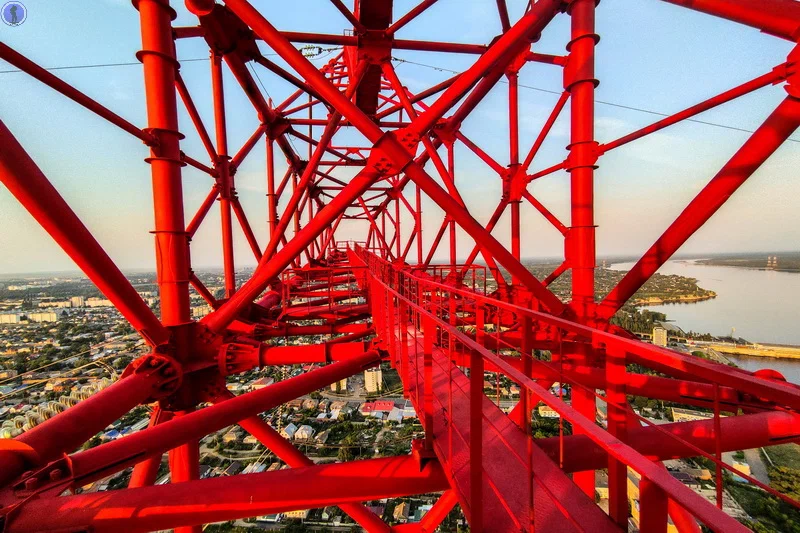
<point x="409" y="510"/>
<point x="700" y="480"/>
<point x="51" y="310"/>
<point x="17" y="417"/>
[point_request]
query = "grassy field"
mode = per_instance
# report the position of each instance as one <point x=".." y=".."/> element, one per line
<point x="785" y="455"/>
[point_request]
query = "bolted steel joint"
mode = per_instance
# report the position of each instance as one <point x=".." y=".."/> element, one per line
<point x="239" y="356"/>
<point x="166" y="367"/>
<point x="792" y="73"/>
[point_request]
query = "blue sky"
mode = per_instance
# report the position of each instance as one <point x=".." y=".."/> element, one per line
<point x="652" y="56"/>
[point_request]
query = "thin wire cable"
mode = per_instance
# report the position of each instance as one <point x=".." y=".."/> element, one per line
<point x="601" y="102"/>
<point x="434" y="67"/>
<point x="264" y="88"/>
<point x="56" y="361"/>
<point x="64" y="375"/>
<point x="99" y="65"/>
<point x="105" y="65"/>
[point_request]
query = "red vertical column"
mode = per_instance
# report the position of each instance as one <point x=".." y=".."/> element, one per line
<point x="579" y="80"/>
<point x="172" y="260"/>
<point x="296" y="213"/>
<point x="617" y="426"/>
<point x="513" y="127"/>
<point x="476" y="426"/>
<point x="223" y="174"/>
<point x="418" y="223"/>
<point x="145" y="473"/>
<point x="403" y="330"/>
<point x="451" y="169"/>
<point x="272" y="203"/>
<point x="391" y="319"/>
<point x="515" y="234"/>
<point x="172" y="249"/>
<point x="429" y="333"/>
<point x="184" y="465"/>
<point x="384" y="245"/>
<point x="653" y="503"/>
<point x="398" y="252"/>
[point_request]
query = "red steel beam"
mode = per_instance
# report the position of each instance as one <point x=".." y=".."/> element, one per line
<point x="774" y="76"/>
<point x="310" y="353"/>
<point x="114" y="456"/>
<point x="228" y="498"/>
<point x="284" y="449"/>
<point x="39" y="73"/>
<point x="546" y="213"/>
<point x="246" y="229"/>
<point x="184" y="466"/>
<point x="194" y="224"/>
<point x="225" y="180"/>
<point x="338" y="4"/>
<point x="23" y="178"/>
<point x="146" y="472"/>
<point x="247" y="147"/>
<point x="776" y="17"/>
<point x="63" y="433"/>
<point x="158" y="59"/>
<point x="758" y="148"/>
<point x="183" y="91"/>
<point x="411" y="15"/>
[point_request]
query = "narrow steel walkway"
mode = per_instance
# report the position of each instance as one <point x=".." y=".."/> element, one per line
<point x="560" y="505"/>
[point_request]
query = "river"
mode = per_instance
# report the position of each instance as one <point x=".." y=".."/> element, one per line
<point x="762" y="305"/>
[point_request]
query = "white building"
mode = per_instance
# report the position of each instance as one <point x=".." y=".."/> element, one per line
<point x="659" y="336"/>
<point x="77" y="301"/>
<point x="98" y="302"/>
<point x="60" y="305"/>
<point x="9" y="318"/>
<point x="373" y="380"/>
<point x="304" y="432"/>
<point x="339" y="386"/>
<point x="201" y="311"/>
<point x="43" y="316"/>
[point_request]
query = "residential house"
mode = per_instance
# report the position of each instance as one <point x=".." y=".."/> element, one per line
<point x="304" y="432"/>
<point x="401" y="512"/>
<point x="289" y="431"/>
<point x="261" y="383"/>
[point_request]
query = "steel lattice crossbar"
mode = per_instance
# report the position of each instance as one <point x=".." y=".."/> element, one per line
<point x="380" y="300"/>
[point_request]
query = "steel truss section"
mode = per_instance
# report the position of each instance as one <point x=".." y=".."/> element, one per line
<point x="381" y="300"/>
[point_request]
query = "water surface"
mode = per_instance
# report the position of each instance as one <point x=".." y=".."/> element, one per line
<point x="760" y="305"/>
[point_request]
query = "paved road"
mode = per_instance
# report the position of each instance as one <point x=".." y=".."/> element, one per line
<point x="757" y="467"/>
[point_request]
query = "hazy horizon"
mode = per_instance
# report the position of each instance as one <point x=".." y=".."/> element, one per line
<point x="646" y="69"/>
<point x="241" y="268"/>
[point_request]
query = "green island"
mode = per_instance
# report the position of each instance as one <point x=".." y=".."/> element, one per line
<point x="659" y="289"/>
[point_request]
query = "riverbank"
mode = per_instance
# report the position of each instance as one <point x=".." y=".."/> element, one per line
<point x="674" y="299"/>
<point x="758" y="350"/>
<point x="757" y="305"/>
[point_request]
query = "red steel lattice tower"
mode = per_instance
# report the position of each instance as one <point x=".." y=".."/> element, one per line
<point x="382" y="299"/>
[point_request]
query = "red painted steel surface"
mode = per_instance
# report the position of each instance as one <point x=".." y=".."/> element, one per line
<point x="380" y="300"/>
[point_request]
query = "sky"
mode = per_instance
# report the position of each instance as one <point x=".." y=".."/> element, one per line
<point x="652" y="56"/>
